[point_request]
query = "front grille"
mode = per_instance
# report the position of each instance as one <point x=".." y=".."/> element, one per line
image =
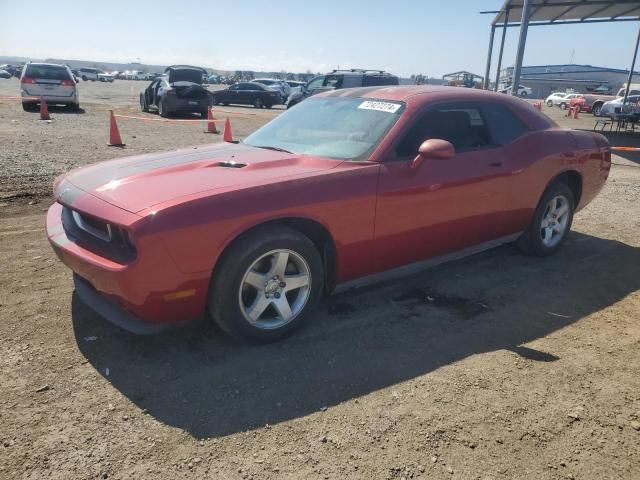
<point x="98" y="236"/>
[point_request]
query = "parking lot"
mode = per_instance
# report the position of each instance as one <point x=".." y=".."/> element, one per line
<point x="499" y="366"/>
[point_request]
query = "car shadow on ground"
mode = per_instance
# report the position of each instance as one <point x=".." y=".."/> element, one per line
<point x="57" y="109"/>
<point x="359" y="342"/>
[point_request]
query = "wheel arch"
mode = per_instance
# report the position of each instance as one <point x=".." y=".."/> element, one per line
<point x="571" y="178"/>
<point x="313" y="229"/>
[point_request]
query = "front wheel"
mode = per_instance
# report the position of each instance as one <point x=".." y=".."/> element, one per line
<point x="523" y="94"/>
<point x="563" y="106"/>
<point x="550" y="103"/>
<point x="266" y="284"/>
<point x="551" y="221"/>
<point x="258" y="103"/>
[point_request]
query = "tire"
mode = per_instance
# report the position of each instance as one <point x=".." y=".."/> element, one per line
<point x="74" y="107"/>
<point x="538" y="240"/>
<point x="269" y="106"/>
<point x="84" y="78"/>
<point x="204" y="114"/>
<point x="563" y="106"/>
<point x="231" y="296"/>
<point x="550" y="103"/>
<point x="523" y="95"/>
<point x="28" y="106"/>
<point x="596" y="109"/>
<point x="162" y="109"/>
<point x="258" y="103"/>
<point x="143" y="103"/>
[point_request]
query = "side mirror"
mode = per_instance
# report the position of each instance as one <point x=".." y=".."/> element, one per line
<point x="433" y="148"/>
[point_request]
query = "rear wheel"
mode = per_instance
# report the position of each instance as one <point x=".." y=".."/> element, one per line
<point x="84" y="77"/>
<point x="563" y="106"/>
<point x="597" y="108"/>
<point x="550" y="103"/>
<point x="74" y="107"/>
<point x="28" y="106"/>
<point x="204" y="114"/>
<point x="258" y="103"/>
<point x="266" y="285"/>
<point x="551" y="221"/>
<point x="162" y="109"/>
<point x="523" y="94"/>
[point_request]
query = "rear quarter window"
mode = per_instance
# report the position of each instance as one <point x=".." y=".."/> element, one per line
<point x="504" y="125"/>
<point x="379" y="80"/>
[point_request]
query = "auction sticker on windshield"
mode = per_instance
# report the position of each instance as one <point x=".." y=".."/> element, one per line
<point x="380" y="106"/>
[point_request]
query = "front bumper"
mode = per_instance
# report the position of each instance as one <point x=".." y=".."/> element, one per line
<point x="147" y="295"/>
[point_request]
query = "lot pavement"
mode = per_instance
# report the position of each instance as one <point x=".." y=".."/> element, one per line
<point x="500" y="366"/>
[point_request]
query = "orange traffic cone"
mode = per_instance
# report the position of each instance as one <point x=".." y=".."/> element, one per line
<point x="44" y="111"/>
<point x="114" y="133"/>
<point x="211" y="124"/>
<point x="226" y="136"/>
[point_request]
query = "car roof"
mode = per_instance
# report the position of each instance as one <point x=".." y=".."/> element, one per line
<point x="415" y="96"/>
<point x="41" y="64"/>
<point x="405" y="93"/>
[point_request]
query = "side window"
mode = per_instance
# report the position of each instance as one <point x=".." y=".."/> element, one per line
<point x="234" y="87"/>
<point x="315" y="83"/>
<point x="504" y="125"/>
<point x="333" y="81"/>
<point x="464" y="127"/>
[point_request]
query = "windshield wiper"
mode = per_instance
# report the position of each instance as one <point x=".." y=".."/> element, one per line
<point x="269" y="147"/>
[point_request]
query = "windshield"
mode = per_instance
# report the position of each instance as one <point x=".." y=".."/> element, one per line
<point x="344" y="128"/>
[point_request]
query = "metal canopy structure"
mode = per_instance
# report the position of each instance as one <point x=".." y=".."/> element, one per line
<point x="574" y="11"/>
<point x="526" y="13"/>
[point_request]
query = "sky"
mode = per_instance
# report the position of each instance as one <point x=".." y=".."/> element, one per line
<point x="432" y="37"/>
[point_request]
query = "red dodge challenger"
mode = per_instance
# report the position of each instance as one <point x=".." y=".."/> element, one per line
<point x="348" y="187"/>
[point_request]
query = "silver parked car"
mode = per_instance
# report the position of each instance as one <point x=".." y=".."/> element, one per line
<point x="54" y="83"/>
<point x="613" y="108"/>
<point x="275" y="84"/>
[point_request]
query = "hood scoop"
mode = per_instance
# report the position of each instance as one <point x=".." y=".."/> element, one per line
<point x="230" y="164"/>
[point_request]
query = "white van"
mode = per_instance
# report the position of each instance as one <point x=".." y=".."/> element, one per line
<point x="52" y="82"/>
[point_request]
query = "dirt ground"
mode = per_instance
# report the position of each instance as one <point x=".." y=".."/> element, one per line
<point x="499" y="366"/>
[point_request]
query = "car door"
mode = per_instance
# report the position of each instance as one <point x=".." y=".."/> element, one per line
<point x="149" y="93"/>
<point x="234" y="94"/>
<point x="441" y="206"/>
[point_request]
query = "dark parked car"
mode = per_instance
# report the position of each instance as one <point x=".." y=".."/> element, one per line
<point x="248" y="93"/>
<point x="342" y="79"/>
<point x="179" y="90"/>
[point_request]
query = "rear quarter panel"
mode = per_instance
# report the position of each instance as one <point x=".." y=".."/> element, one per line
<point x="537" y="158"/>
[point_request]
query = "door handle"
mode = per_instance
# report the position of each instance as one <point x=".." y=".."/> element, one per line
<point x="495" y="164"/>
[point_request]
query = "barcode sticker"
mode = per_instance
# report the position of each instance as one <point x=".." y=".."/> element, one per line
<point x="380" y="106"/>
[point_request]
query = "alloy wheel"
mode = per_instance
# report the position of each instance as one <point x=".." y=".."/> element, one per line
<point x="554" y="221"/>
<point x="275" y="289"/>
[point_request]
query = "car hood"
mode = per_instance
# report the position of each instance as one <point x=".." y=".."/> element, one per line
<point x="144" y="181"/>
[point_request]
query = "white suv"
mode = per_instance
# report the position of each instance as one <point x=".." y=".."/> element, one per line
<point x="94" y="74"/>
<point x="52" y="82"/>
